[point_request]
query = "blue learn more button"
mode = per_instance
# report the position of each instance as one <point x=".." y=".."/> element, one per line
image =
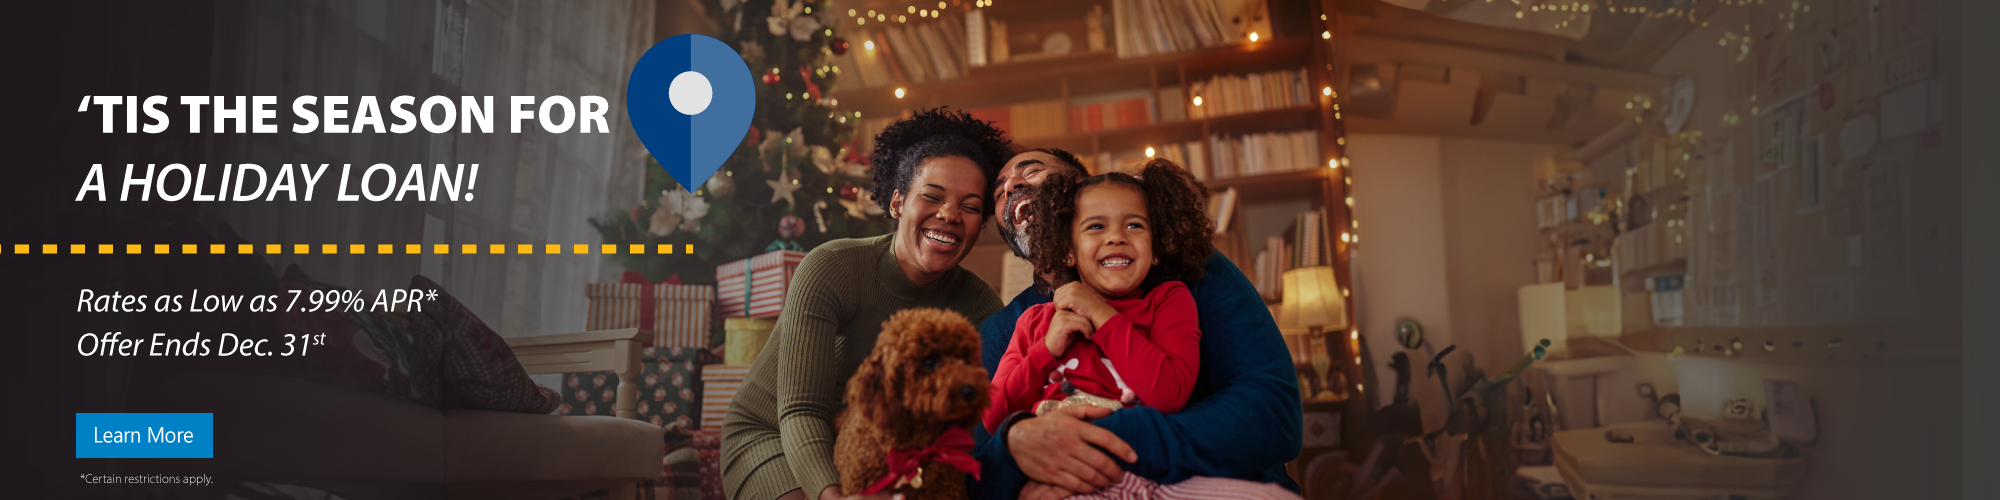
<point x="145" y="435"/>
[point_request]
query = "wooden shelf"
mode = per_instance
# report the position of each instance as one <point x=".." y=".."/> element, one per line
<point x="1159" y="134"/>
<point x="1906" y="344"/>
<point x="1278" y="185"/>
<point x="1053" y="78"/>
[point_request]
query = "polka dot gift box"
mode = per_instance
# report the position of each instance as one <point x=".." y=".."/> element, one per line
<point x="670" y="387"/>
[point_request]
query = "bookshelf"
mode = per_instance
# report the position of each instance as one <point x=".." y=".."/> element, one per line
<point x="1082" y="73"/>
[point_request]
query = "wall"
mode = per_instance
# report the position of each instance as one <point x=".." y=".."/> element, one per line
<point x="1448" y="235"/>
<point x="533" y="187"/>
<point x="1880" y="254"/>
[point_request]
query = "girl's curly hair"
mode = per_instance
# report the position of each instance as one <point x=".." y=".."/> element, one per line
<point x="903" y="147"/>
<point x="1176" y="203"/>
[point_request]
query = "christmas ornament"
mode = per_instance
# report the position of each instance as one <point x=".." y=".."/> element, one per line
<point x="753" y="52"/>
<point x="795" y="143"/>
<point x="784" y="187"/>
<point x="848" y="192"/>
<point x="819" y="214"/>
<point x="823" y="159"/>
<point x="722" y="185"/>
<point x="786" y="19"/>
<point x="679" y="210"/>
<point x="755" y="136"/>
<point x="859" y="209"/>
<point x="769" y="78"/>
<point x="790" y="227"/>
<point x="812" y="89"/>
<point x="839" y="46"/>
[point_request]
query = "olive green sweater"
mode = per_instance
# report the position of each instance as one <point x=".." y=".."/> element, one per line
<point x="779" y="433"/>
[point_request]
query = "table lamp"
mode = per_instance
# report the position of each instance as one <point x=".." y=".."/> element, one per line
<point x="1313" y="300"/>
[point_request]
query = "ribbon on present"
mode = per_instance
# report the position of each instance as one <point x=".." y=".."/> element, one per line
<point x="749" y="282"/>
<point x="647" y="303"/>
<point x="792" y="245"/>
<point x="953" y="448"/>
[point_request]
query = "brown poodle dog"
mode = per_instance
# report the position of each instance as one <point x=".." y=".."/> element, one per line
<point x="911" y="403"/>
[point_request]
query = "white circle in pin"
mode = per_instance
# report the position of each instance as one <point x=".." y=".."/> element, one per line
<point x="690" y="93"/>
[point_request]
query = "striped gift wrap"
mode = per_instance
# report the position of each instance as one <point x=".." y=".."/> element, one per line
<point x="683" y="315"/>
<point x="755" y="287"/>
<point x="719" y="385"/>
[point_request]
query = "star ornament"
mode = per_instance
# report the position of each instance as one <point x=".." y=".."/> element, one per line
<point x="783" y="188"/>
<point x="860" y="207"/>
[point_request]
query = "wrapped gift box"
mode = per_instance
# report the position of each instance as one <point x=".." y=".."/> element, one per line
<point x="744" y="338"/>
<point x="755" y="287"/>
<point x="708" y="447"/>
<point x="682" y="315"/>
<point x="720" y="383"/>
<point x="670" y="387"/>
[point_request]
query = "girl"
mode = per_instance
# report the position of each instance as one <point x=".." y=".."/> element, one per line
<point x="1124" y="334"/>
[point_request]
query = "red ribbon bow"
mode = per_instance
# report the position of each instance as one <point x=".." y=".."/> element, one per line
<point x="953" y="448"/>
<point x="646" y="299"/>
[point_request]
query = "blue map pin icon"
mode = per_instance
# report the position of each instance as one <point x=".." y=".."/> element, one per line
<point x="691" y="100"/>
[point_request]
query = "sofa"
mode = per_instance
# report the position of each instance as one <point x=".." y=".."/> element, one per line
<point x="360" y="445"/>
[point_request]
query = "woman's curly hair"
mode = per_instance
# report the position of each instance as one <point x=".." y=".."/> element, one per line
<point x="903" y="147"/>
<point x="1176" y="203"/>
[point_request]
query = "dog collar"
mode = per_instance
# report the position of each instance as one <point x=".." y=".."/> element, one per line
<point x="953" y="448"/>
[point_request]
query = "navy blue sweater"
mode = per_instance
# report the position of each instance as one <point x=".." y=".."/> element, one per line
<point x="1242" y="420"/>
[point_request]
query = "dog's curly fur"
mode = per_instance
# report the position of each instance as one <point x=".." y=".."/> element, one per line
<point x="911" y="388"/>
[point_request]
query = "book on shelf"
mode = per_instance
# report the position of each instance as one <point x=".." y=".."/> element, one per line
<point x="918" y="52"/>
<point x="1302" y="244"/>
<point x="1030" y="120"/>
<point x="975" y="37"/>
<point x="1262" y="154"/>
<point x="1222" y="207"/>
<point x="864" y="65"/>
<point x="1189" y="155"/>
<point x="1171" y="104"/>
<point x="903" y="53"/>
<point x="1110" y="111"/>
<point x="1224" y="95"/>
<point x="1150" y="27"/>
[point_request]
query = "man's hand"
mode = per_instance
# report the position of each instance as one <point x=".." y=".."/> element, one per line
<point x="1056" y="448"/>
<point x="1037" y="490"/>
<point x="1065" y="327"/>
<point x="1081" y="299"/>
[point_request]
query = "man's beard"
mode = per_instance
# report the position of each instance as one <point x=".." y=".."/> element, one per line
<point x="1014" y="234"/>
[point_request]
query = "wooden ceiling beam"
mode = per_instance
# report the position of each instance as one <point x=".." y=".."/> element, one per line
<point x="1380" y="50"/>
<point x="1657" y="36"/>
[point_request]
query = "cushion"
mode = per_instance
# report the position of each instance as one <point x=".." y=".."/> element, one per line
<point x="479" y="371"/>
<point x="377" y="352"/>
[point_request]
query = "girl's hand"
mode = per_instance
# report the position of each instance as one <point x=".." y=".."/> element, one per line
<point x="1080" y="299"/>
<point x="1064" y="327"/>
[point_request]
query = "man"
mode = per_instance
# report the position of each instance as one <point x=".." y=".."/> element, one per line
<point x="1242" y="420"/>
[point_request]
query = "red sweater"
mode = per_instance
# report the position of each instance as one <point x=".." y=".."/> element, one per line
<point x="1154" y="342"/>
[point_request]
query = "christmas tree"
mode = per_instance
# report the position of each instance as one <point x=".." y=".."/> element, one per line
<point x="797" y="180"/>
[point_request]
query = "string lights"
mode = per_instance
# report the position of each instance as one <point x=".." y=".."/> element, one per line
<point x="921" y="9"/>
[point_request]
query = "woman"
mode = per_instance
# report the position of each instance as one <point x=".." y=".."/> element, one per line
<point x="932" y="175"/>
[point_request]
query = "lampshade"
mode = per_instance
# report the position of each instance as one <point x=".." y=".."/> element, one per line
<point x="1312" y="298"/>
